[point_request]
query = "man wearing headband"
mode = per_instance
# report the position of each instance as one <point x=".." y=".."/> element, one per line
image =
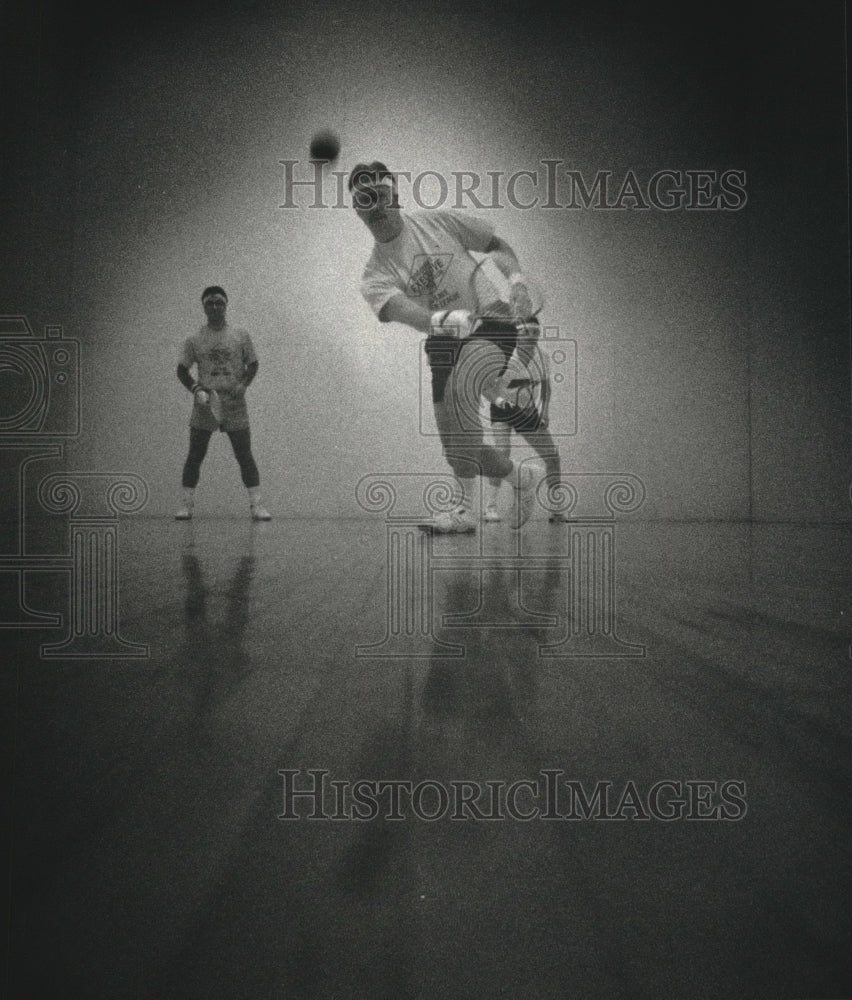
<point x="419" y="274"/>
<point x="226" y="364"/>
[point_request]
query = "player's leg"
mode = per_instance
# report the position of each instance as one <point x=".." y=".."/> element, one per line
<point x="442" y="353"/>
<point x="461" y="519"/>
<point x="501" y="436"/>
<point x="241" y="443"/>
<point x="199" y="439"/>
<point x="541" y="441"/>
<point x="480" y="361"/>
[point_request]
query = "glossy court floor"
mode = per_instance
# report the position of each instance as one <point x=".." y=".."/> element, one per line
<point x="149" y="854"/>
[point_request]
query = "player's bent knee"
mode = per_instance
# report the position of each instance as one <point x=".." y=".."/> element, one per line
<point x="464" y="464"/>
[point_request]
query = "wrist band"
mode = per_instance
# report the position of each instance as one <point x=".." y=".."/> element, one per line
<point x="516" y="279"/>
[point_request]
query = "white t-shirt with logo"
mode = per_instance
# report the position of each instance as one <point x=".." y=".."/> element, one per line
<point x="222" y="357"/>
<point x="429" y="261"/>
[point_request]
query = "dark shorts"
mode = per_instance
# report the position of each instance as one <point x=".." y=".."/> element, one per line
<point x="443" y="352"/>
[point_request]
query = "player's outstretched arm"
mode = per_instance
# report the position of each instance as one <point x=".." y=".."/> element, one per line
<point x="401" y="309"/>
<point x="445" y="322"/>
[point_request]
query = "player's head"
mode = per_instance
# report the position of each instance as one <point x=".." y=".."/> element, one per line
<point x="374" y="194"/>
<point x="215" y="302"/>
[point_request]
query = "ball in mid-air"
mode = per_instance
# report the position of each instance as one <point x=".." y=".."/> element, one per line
<point x="325" y="146"/>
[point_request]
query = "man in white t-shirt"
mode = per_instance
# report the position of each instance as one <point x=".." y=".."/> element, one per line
<point x="226" y="363"/>
<point x="419" y="273"/>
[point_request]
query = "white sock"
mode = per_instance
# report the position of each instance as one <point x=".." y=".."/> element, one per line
<point x="254" y="495"/>
<point x="189" y="496"/>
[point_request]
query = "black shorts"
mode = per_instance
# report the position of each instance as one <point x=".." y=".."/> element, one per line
<point x="443" y="352"/>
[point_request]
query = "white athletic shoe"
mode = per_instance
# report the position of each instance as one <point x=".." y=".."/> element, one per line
<point x="491" y="514"/>
<point x="184" y="514"/>
<point x="455" y="522"/>
<point x="524" y="497"/>
<point x="259" y="513"/>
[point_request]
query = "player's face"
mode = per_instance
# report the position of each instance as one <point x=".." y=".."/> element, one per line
<point x="214" y="309"/>
<point x="375" y="203"/>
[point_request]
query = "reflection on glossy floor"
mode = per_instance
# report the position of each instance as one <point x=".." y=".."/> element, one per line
<point x="150" y="859"/>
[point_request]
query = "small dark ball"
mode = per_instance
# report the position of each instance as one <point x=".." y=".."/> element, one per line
<point x="325" y="146"/>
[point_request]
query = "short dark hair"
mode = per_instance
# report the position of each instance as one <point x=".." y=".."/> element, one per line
<point x="214" y="290"/>
<point x="368" y="173"/>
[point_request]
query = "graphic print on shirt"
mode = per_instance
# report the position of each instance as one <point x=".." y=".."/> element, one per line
<point x="221" y="361"/>
<point x="428" y="271"/>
